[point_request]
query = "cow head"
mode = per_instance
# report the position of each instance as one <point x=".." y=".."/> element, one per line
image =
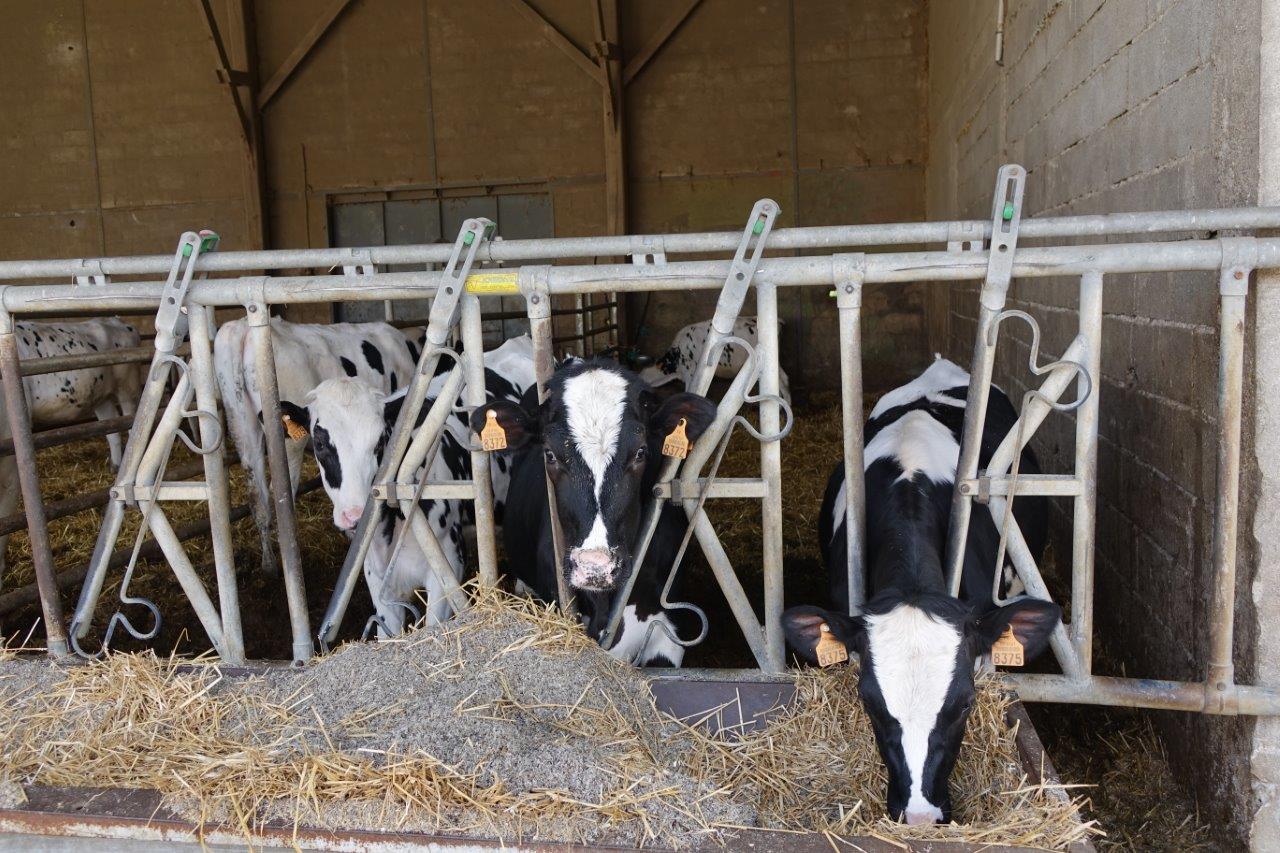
<point x="917" y="658"/>
<point x="347" y="420"/>
<point x="600" y="431"/>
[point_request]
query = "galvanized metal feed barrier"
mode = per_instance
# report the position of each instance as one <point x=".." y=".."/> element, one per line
<point x="974" y="250"/>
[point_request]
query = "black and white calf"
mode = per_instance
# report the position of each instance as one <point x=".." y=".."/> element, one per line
<point x="350" y="422"/>
<point x="917" y="644"/>
<point x="58" y="399"/>
<point x="376" y="354"/>
<point x="680" y="361"/>
<point x="599" y="436"/>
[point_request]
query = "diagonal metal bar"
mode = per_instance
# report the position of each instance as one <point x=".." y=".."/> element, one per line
<point x="560" y="41"/>
<point x="227" y="74"/>
<point x="300" y="51"/>
<point x="637" y="63"/>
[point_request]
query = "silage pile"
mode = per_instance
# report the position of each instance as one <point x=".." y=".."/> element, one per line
<point x="505" y="722"/>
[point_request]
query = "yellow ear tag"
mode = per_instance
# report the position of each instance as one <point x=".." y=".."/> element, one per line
<point x="1007" y="651"/>
<point x="676" y="444"/>
<point x="830" y="650"/>
<point x="493" y="436"/>
<point x="293" y="429"/>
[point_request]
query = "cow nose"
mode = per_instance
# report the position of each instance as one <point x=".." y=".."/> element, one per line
<point x="927" y="817"/>
<point x="351" y="516"/>
<point x="591" y="568"/>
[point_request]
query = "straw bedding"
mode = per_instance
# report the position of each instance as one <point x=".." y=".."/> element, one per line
<point x="506" y="721"/>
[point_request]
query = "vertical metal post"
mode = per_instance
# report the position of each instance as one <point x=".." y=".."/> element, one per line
<point x="848" y="282"/>
<point x="24" y="451"/>
<point x="1233" y="285"/>
<point x="770" y="472"/>
<point x="473" y="358"/>
<point x="1084" y="523"/>
<point x="215" y="478"/>
<point x="533" y="284"/>
<point x="580" y="303"/>
<point x="259" y="321"/>
<point x="1005" y="218"/>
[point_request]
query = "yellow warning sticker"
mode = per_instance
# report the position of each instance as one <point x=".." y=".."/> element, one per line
<point x="492" y="282"/>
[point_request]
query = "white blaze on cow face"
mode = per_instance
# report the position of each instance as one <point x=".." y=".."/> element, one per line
<point x="595" y="402"/>
<point x="913" y="658"/>
<point x="346" y="431"/>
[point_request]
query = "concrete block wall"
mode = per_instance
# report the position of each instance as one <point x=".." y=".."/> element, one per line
<point x="818" y="104"/>
<point x="1117" y="105"/>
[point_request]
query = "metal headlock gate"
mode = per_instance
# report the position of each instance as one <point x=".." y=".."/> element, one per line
<point x="987" y="251"/>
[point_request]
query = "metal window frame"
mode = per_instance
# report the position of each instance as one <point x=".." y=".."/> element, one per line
<point x="1233" y="257"/>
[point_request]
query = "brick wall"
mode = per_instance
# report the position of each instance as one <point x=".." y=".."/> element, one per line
<point x="1117" y="105"/>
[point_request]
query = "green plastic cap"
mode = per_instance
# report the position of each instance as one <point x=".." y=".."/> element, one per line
<point x="468" y="238"/>
<point x="758" y="228"/>
<point x="1008" y="211"/>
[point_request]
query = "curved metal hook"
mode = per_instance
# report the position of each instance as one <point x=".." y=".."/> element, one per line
<point x="753" y="364"/>
<point x="214" y="420"/>
<point x="1040" y="370"/>
<point x="118" y="619"/>
<point x="447" y="351"/>
<point x="376" y="620"/>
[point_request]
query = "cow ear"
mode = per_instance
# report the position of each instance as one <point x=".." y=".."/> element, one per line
<point x="297" y="420"/>
<point x="803" y="627"/>
<point x="697" y="413"/>
<point x="1031" y="620"/>
<point x="521" y="429"/>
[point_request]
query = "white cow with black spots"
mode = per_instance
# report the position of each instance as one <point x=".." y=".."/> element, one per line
<point x="598" y="436"/>
<point x="350" y="423"/>
<point x="375" y="354"/>
<point x="69" y="396"/>
<point x="680" y="361"/>
<point x="917" y="644"/>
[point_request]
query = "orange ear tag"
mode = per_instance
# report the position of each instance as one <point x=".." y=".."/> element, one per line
<point x="1007" y="651"/>
<point x="830" y="650"/>
<point x="293" y="429"/>
<point x="493" y="436"/>
<point x="676" y="444"/>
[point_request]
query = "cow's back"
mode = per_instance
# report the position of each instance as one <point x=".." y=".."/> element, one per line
<point x="72" y="395"/>
<point x="923" y="504"/>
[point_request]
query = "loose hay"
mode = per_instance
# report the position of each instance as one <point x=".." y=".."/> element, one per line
<point x="507" y="722"/>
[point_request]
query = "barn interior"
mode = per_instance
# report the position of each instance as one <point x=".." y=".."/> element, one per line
<point x="350" y="123"/>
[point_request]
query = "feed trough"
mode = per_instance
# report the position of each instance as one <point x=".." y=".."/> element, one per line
<point x="506" y="726"/>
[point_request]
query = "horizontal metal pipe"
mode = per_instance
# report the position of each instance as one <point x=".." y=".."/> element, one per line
<point x="91" y="500"/>
<point x="59" y="363"/>
<point x="824" y="237"/>
<point x="26" y="595"/>
<point x="75" y="432"/>
<point x="890" y="267"/>
<point x="587" y="333"/>
<point x="1142" y="693"/>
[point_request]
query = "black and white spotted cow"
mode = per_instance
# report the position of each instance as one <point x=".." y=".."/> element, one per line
<point x="917" y="644"/>
<point x="376" y="354"/>
<point x="350" y="423"/>
<point x="58" y="399"/>
<point x="680" y="361"/>
<point x="599" y="435"/>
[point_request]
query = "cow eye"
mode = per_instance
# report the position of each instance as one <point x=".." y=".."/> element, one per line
<point x="641" y="454"/>
<point x="551" y="459"/>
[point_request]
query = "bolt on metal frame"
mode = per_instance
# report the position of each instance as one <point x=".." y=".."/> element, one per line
<point x="1235" y="258"/>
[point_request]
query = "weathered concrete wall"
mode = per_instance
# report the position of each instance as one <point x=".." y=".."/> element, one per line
<point x="818" y="104"/>
<point x="118" y="136"/>
<point x="126" y="137"/>
<point x="1119" y="105"/>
